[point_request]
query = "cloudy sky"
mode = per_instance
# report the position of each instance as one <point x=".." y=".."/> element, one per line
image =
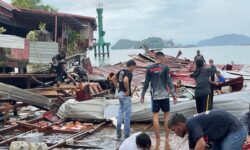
<point x="185" y="21"/>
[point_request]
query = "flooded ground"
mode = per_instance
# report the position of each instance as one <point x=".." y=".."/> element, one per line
<point x="105" y="138"/>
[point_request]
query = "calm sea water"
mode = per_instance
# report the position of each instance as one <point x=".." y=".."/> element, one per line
<point x="220" y="54"/>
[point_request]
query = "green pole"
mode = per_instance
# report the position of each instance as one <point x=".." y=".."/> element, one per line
<point x="100" y="25"/>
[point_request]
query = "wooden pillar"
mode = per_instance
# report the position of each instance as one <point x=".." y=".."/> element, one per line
<point x="62" y="36"/>
<point x="28" y="82"/>
<point x="99" y="50"/>
<point x="103" y="50"/>
<point x="55" y="28"/>
<point x="108" y="49"/>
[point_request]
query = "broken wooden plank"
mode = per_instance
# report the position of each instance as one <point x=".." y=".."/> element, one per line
<point x="4" y="130"/>
<point x="13" y="138"/>
<point x="28" y="125"/>
<point x="76" y="146"/>
<point x="78" y="135"/>
<point x="41" y="129"/>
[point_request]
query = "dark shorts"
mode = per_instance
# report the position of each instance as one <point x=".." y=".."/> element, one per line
<point x="163" y="104"/>
<point x="60" y="73"/>
<point x="59" y="78"/>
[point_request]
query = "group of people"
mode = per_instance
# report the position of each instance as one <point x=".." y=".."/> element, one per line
<point x="218" y="127"/>
<point x="58" y="67"/>
<point x="158" y="76"/>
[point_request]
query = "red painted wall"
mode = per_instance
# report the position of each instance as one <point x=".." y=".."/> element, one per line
<point x="21" y="54"/>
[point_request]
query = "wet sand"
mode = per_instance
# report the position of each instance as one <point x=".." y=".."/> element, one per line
<point x="106" y="138"/>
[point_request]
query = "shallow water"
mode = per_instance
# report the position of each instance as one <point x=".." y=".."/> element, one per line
<point x="239" y="54"/>
<point x="106" y="138"/>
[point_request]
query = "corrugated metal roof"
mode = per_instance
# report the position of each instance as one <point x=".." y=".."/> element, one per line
<point x="42" y="52"/>
<point x="6" y="5"/>
<point x="10" y="41"/>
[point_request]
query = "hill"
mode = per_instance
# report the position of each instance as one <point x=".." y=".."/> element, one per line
<point x="125" y="44"/>
<point x="227" y="39"/>
<point x="151" y="42"/>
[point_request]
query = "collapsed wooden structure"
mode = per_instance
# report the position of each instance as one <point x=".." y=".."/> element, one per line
<point x="37" y="90"/>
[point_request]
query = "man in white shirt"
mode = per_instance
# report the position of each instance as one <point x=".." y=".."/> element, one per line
<point x="137" y="141"/>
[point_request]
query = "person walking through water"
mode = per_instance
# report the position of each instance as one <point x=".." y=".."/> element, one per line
<point x="122" y="81"/>
<point x="158" y="77"/>
<point x="201" y="76"/>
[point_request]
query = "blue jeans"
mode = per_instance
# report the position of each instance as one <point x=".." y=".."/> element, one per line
<point x="124" y="110"/>
<point x="233" y="141"/>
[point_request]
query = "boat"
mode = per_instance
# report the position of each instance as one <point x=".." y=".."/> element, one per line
<point x="101" y="108"/>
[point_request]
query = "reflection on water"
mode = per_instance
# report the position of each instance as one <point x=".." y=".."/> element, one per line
<point x="221" y="54"/>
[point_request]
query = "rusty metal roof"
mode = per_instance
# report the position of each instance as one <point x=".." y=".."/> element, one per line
<point x="36" y="16"/>
<point x="68" y="18"/>
<point x="31" y="19"/>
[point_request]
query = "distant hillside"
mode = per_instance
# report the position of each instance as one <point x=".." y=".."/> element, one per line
<point x="125" y="44"/>
<point x="154" y="42"/>
<point x="151" y="42"/>
<point x="227" y="39"/>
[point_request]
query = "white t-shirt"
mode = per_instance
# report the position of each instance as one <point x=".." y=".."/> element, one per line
<point x="130" y="143"/>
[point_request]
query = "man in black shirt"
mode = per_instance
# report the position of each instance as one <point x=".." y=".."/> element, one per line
<point x="201" y="76"/>
<point x="59" y="63"/>
<point x="217" y="126"/>
<point x="199" y="56"/>
<point x="158" y="77"/>
<point x="123" y="78"/>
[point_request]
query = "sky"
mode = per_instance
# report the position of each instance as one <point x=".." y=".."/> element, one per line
<point x="184" y="21"/>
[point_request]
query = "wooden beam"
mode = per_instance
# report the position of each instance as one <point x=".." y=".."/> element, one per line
<point x="63" y="25"/>
<point x="78" y="135"/>
<point x="27" y="75"/>
<point x="55" y="28"/>
<point x="28" y="82"/>
<point x="28" y="125"/>
<point x="4" y="130"/>
<point x="12" y="138"/>
<point x="34" y="130"/>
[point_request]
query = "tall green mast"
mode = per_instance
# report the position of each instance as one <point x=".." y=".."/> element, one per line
<point x="101" y="43"/>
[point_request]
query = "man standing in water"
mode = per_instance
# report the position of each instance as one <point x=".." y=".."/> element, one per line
<point x="158" y="76"/>
<point x="201" y="76"/>
<point x="124" y="78"/>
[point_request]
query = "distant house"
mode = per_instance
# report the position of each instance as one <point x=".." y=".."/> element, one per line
<point x="18" y="22"/>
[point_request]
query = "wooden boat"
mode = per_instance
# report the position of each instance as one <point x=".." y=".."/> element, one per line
<point x="236" y="84"/>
